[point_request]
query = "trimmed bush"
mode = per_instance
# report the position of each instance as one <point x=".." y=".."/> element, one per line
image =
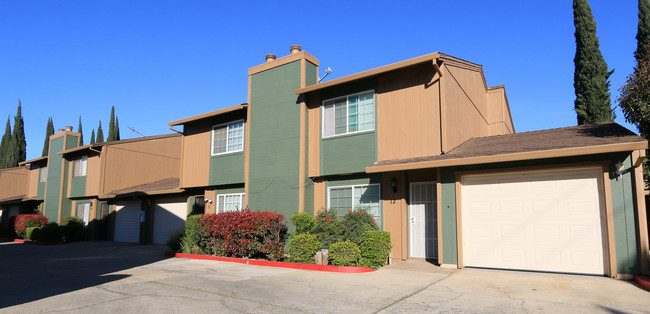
<point x="5" y="230"/>
<point x="375" y="248"/>
<point x="191" y="241"/>
<point x="22" y="222"/>
<point x="32" y="233"/>
<point x="355" y="223"/>
<point x="328" y="228"/>
<point x="244" y="234"/>
<point x="71" y="220"/>
<point x="304" y="222"/>
<point x="73" y="232"/>
<point x="344" y="253"/>
<point x="302" y="248"/>
<point x="49" y="233"/>
<point x="175" y="238"/>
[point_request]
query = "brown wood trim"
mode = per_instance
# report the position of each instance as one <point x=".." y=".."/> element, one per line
<point x="247" y="145"/>
<point x="551" y="153"/>
<point x="609" y="217"/>
<point x="102" y="170"/>
<point x="63" y="174"/>
<point x="303" y="137"/>
<point x="282" y="61"/>
<point x="554" y="166"/>
<point x="208" y="114"/>
<point x="70" y="172"/>
<point x="439" y="214"/>
<point x="459" y="223"/>
<point x="442" y="87"/>
<point x="639" y="185"/>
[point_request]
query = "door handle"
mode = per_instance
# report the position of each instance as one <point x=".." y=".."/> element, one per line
<point x="412" y="220"/>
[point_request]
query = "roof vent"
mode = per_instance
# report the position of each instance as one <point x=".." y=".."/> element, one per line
<point x="270" y="57"/>
<point x="295" y="49"/>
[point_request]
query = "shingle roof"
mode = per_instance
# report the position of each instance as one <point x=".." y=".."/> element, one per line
<point x="168" y="185"/>
<point x="561" y="142"/>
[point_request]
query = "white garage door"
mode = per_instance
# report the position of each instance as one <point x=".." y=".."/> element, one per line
<point x="168" y="217"/>
<point x="127" y="222"/>
<point x="541" y="221"/>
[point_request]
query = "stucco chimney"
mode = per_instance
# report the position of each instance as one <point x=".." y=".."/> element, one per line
<point x="61" y="130"/>
<point x="270" y="57"/>
<point x="68" y="128"/>
<point x="295" y="49"/>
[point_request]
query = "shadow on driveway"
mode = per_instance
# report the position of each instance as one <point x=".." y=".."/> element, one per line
<point x="32" y="272"/>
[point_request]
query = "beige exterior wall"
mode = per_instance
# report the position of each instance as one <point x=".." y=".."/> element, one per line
<point x="313" y="136"/>
<point x="408" y="113"/>
<point x="13" y="182"/>
<point x="93" y="174"/>
<point x="32" y="183"/>
<point x="135" y="163"/>
<point x="499" y="119"/>
<point x="395" y="209"/>
<point x="196" y="154"/>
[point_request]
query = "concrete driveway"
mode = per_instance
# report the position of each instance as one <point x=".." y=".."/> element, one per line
<point x="109" y="277"/>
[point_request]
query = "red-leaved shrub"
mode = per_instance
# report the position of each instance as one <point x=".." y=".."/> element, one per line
<point x="244" y="234"/>
<point x="25" y="221"/>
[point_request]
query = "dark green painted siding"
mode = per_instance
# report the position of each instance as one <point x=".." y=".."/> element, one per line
<point x="310" y="71"/>
<point x="229" y="190"/>
<point x="40" y="194"/>
<point x="275" y="140"/>
<point x="227" y="169"/>
<point x="52" y="196"/>
<point x="448" y="199"/>
<point x="78" y="186"/>
<point x="348" y="153"/>
<point x="624" y="219"/>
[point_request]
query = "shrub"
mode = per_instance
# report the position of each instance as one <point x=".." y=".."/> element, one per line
<point x="304" y="222"/>
<point x="191" y="241"/>
<point x="344" y="253"/>
<point x="375" y="248"/>
<point x="73" y="232"/>
<point x="50" y="233"/>
<point x="71" y="220"/>
<point x="355" y="223"/>
<point x="22" y="222"/>
<point x="302" y="248"/>
<point x="31" y="233"/>
<point x="175" y="238"/>
<point x="5" y="230"/>
<point x="328" y="228"/>
<point x="244" y="234"/>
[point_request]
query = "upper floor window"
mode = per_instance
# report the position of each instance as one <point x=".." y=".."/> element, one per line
<point x="349" y="114"/>
<point x="42" y="174"/>
<point x="228" y="138"/>
<point x="80" y="166"/>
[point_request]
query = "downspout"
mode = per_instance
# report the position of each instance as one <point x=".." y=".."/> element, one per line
<point x="438" y="69"/>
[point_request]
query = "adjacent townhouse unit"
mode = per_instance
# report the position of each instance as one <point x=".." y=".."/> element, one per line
<point x="424" y="145"/>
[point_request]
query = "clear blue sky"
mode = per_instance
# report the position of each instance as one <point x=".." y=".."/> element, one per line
<point x="158" y="61"/>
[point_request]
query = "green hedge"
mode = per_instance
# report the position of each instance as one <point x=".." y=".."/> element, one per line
<point x="302" y="248"/>
<point x="71" y="220"/>
<point x="73" y="232"/>
<point x="375" y="248"/>
<point x="49" y="233"/>
<point x="190" y="243"/>
<point x="344" y="253"/>
<point x="304" y="222"/>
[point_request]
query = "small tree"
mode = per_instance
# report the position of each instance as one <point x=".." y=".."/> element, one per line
<point x="111" y="126"/>
<point x="49" y="130"/>
<point x="81" y="133"/>
<point x="92" y="136"/>
<point x="643" y="31"/>
<point x="20" y="152"/>
<point x="100" y="133"/>
<point x="117" y="129"/>
<point x="5" y="146"/>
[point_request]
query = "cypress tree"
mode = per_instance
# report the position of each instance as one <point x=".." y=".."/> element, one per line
<point x="117" y="129"/>
<point x="643" y="31"/>
<point x="92" y="137"/>
<point x="49" y="130"/>
<point x="111" y="126"/>
<point x="591" y="78"/>
<point x="81" y="133"/>
<point x="100" y="134"/>
<point x="19" y="138"/>
<point x="4" y="145"/>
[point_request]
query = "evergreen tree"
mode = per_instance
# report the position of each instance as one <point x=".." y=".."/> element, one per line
<point x="19" y="138"/>
<point x="111" y="126"/>
<point x="591" y="78"/>
<point x="4" y="146"/>
<point x="643" y="30"/>
<point x="92" y="137"/>
<point x="81" y="133"/>
<point x="100" y="134"/>
<point x="49" y="130"/>
<point x="117" y="129"/>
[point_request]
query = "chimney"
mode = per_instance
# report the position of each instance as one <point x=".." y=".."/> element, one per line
<point x="68" y="128"/>
<point x="61" y="130"/>
<point x="270" y="58"/>
<point x="295" y="49"/>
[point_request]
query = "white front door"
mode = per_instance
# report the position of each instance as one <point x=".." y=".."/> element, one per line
<point x="423" y="222"/>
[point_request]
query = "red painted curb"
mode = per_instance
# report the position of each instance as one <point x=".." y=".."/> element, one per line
<point x="37" y="243"/>
<point x="643" y="281"/>
<point x="328" y="268"/>
<point x="20" y="240"/>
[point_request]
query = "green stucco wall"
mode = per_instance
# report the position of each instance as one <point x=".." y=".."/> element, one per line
<point x="275" y="140"/>
<point x="448" y="202"/>
<point x="350" y="153"/>
<point x="227" y="169"/>
<point x="40" y="193"/>
<point x="627" y="261"/>
<point x="78" y="185"/>
<point x="52" y="194"/>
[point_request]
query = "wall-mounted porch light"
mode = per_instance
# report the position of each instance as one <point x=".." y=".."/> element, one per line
<point x="393" y="184"/>
<point x="620" y="168"/>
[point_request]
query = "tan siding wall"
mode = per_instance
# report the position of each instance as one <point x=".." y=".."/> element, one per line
<point x="395" y="214"/>
<point x="465" y="105"/>
<point x="32" y="185"/>
<point x="13" y="182"/>
<point x="408" y="114"/>
<point x="319" y="196"/>
<point x="93" y="175"/>
<point x="498" y="113"/>
<point x="196" y="154"/>
<point x="313" y="136"/>
<point x="136" y="163"/>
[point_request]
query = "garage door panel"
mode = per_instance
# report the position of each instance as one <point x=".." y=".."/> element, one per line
<point x="168" y="217"/>
<point x="545" y="221"/>
<point x="127" y="222"/>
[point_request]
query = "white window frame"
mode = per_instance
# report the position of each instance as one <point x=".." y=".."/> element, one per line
<point x="83" y="167"/>
<point x="216" y="126"/>
<point x="347" y="114"/>
<point x="241" y="201"/>
<point x="85" y="212"/>
<point x="42" y="174"/>
<point x="329" y="189"/>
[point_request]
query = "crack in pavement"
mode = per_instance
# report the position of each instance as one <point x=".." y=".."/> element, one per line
<point x="412" y="294"/>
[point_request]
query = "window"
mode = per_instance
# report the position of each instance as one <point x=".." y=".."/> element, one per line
<point x="83" y="212"/>
<point x="198" y="208"/>
<point x="80" y="166"/>
<point x="42" y="174"/>
<point x="349" y="114"/>
<point x="344" y="198"/>
<point x="230" y="202"/>
<point x="228" y="138"/>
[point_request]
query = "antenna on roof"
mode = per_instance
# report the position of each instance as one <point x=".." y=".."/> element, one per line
<point x="133" y="130"/>
<point x="327" y="72"/>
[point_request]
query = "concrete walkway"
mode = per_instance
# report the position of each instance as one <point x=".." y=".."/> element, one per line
<point x="109" y="277"/>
